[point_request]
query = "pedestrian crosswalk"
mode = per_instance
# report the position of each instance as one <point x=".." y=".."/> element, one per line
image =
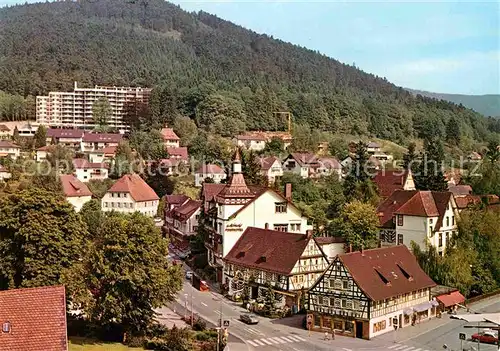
<point x="400" y="347"/>
<point x="276" y="340"/>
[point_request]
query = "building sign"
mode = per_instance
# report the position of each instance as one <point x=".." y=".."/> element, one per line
<point x="234" y="227"/>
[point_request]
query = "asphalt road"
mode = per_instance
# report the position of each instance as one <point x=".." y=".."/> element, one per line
<point x="270" y="335"/>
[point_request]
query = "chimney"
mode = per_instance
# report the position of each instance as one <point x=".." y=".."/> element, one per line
<point x="288" y="191"/>
<point x="350" y="248"/>
<point x="380" y="244"/>
<point x="362" y="250"/>
<point x="76" y="85"/>
<point x="309" y="234"/>
<point x="266" y="226"/>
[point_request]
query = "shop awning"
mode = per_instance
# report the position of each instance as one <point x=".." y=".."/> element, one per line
<point x="422" y="307"/>
<point x="479" y="317"/>
<point x="408" y="311"/>
<point x="451" y="299"/>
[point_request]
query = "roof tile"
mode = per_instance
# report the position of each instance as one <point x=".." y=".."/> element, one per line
<point x="72" y="187"/>
<point x="135" y="186"/>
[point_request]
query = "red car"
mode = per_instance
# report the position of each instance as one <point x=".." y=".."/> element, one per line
<point x="487" y="336"/>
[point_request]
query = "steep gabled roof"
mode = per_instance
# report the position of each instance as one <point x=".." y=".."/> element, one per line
<point x="176" y="199"/>
<point x="268" y="250"/>
<point x="8" y="144"/>
<point x="267" y="162"/>
<point x="72" y="187"/>
<point x="169" y="134"/>
<point x="178" y="152"/>
<point x="251" y="136"/>
<point x="186" y="210"/>
<point x="305" y="159"/>
<point x="387" y="208"/>
<point x="386" y="272"/>
<point x="422" y="204"/>
<point x="389" y="181"/>
<point x="81" y="163"/>
<point x="325" y="240"/>
<point x="4" y="128"/>
<point x="135" y="186"/>
<point x="460" y="190"/>
<point x="37" y="318"/>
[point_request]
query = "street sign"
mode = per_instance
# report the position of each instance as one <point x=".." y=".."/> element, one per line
<point x="226" y="323"/>
<point x="461" y="336"/>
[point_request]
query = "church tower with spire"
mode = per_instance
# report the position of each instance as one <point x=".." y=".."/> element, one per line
<point x="236" y="191"/>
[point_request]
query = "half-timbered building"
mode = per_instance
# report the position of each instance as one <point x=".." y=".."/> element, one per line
<point x="367" y="293"/>
<point x="290" y="262"/>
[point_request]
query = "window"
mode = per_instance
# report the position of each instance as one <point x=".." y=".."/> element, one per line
<point x="349" y="304"/>
<point x="447" y="221"/>
<point x="6" y="327"/>
<point x="379" y="326"/>
<point x="280" y="207"/>
<point x="400" y="220"/>
<point x="400" y="239"/>
<point x="331" y="283"/>
<point x="440" y="239"/>
<point x="338" y="284"/>
<point x="345" y="284"/>
<point x="105" y="204"/>
<point x="452" y="220"/>
<point x="295" y="227"/>
<point x="332" y="301"/>
<point x="344" y="303"/>
<point x="431" y="221"/>
<point x="356" y="305"/>
<point x="119" y="205"/>
<point x="281" y="227"/>
<point x="337" y="303"/>
<point x="320" y="300"/>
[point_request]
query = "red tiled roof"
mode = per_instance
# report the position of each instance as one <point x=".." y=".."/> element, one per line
<point x="65" y="133"/>
<point x="135" y="186"/>
<point x="414" y="203"/>
<point x="109" y="150"/>
<point x="176" y="199"/>
<point x="389" y="181"/>
<point x="4" y="128"/>
<point x="210" y="169"/>
<point x="330" y="162"/>
<point x="251" y="136"/>
<point x="102" y="137"/>
<point x="169" y="134"/>
<point x="45" y="148"/>
<point x="178" y="152"/>
<point x="460" y="190"/>
<point x="8" y="144"/>
<point x="72" y="187"/>
<point x="305" y="159"/>
<point x="325" y="240"/>
<point x="267" y="162"/>
<point x="37" y="318"/>
<point x="451" y="299"/>
<point x="211" y="190"/>
<point x="391" y="263"/>
<point x="268" y="250"/>
<point x="186" y="210"/>
<point x="81" y="163"/>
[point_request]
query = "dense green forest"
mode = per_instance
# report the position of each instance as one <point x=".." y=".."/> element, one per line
<point x="221" y="75"/>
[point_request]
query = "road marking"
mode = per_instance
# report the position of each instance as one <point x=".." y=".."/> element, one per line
<point x="273" y="341"/>
<point x="300" y="338"/>
<point x="253" y="331"/>
<point x="296" y="349"/>
<point x="204" y="304"/>
<point x="280" y="341"/>
<point x="286" y="339"/>
<point x="293" y="337"/>
<point x="217" y="311"/>
<point x="409" y="348"/>
<point x="393" y="346"/>
<point x="267" y="341"/>
<point x="417" y="349"/>
<point x="400" y="347"/>
<point x="346" y="349"/>
<point x="252" y="343"/>
<point x="259" y="342"/>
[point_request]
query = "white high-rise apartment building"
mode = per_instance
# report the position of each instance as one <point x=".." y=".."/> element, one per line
<point x="74" y="109"/>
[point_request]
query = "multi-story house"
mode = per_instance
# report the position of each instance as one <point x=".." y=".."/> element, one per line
<point x="170" y="139"/>
<point x="424" y="217"/>
<point x="74" y="109"/>
<point x="231" y="208"/>
<point x="290" y="262"/>
<point x="99" y="141"/>
<point x="182" y="221"/>
<point x="389" y="181"/>
<point x="329" y="166"/>
<point x="271" y="168"/>
<point x="86" y="171"/>
<point x="42" y="152"/>
<point x="9" y="149"/>
<point x="76" y="192"/>
<point x="304" y="164"/>
<point x="104" y="155"/>
<point x="5" y="133"/>
<point x="251" y="141"/>
<point x="373" y="148"/>
<point x="212" y="171"/>
<point x="129" y="194"/>
<point x="71" y="138"/>
<point x="331" y="245"/>
<point x="178" y="153"/>
<point x="368" y="293"/>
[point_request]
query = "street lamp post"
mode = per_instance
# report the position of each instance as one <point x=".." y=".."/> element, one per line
<point x="192" y="313"/>
<point x="185" y="306"/>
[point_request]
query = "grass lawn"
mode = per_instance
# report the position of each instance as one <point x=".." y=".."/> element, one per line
<point x="83" y="344"/>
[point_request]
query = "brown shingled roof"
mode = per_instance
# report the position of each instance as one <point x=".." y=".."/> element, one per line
<point x="268" y="250"/>
<point x="135" y="186"/>
<point x="4" y="128"/>
<point x="389" y="181"/>
<point x="37" y="318"/>
<point x="305" y="159"/>
<point x="72" y="187"/>
<point x="210" y="169"/>
<point x="65" y="133"/>
<point x="102" y="137"/>
<point x="8" y="144"/>
<point x="169" y="134"/>
<point x="81" y="163"/>
<point x="395" y="264"/>
<point x="186" y="210"/>
<point x="325" y="240"/>
<point x="267" y="162"/>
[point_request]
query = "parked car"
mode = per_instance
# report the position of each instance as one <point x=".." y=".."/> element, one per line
<point x="189" y="275"/>
<point x="486" y="336"/>
<point x="249" y="319"/>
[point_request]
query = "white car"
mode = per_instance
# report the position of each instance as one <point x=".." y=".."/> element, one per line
<point x="189" y="275"/>
<point x="158" y="220"/>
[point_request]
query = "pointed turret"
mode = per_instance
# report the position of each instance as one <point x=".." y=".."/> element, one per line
<point x="236" y="190"/>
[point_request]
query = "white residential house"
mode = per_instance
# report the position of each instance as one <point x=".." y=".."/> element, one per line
<point x="213" y="171"/>
<point x="76" y="192"/>
<point x="368" y="293"/>
<point x="86" y="171"/>
<point x="170" y="139"/>
<point x="419" y="216"/>
<point x="71" y="138"/>
<point x="304" y="164"/>
<point x="231" y="208"/>
<point x="129" y="194"/>
<point x="329" y="166"/>
<point x="331" y="245"/>
<point x="104" y="155"/>
<point x="8" y="148"/>
<point x="389" y="181"/>
<point x="182" y="221"/>
<point x="290" y="262"/>
<point x="42" y="152"/>
<point x="271" y="168"/>
<point x="254" y="142"/>
<point x="99" y="141"/>
<point x="373" y="148"/>
<point x="4" y="174"/>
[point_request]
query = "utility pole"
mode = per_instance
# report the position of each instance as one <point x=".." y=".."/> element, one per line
<point x="185" y="305"/>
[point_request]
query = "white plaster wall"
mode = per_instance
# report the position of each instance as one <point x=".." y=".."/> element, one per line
<point x="332" y="250"/>
<point x="78" y="201"/>
<point x="413" y="229"/>
<point x="85" y="174"/>
<point x="128" y="205"/>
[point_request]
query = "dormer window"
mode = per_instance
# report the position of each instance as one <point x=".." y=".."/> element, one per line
<point x="6" y="327"/>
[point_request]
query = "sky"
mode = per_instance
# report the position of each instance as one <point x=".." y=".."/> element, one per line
<point x="438" y="46"/>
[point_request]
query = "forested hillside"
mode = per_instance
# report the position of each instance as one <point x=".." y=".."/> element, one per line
<point x="488" y="105"/>
<point x="225" y="77"/>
